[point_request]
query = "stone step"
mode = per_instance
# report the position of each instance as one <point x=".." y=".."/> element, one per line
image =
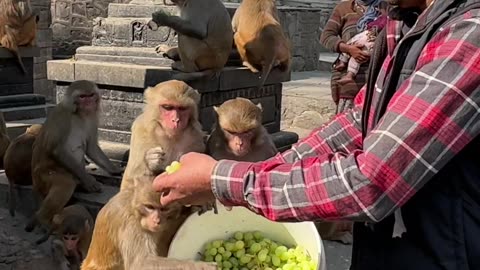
<point x="9" y="101"/>
<point x="18" y="127"/>
<point x="128" y="55"/>
<point x="26" y="112"/>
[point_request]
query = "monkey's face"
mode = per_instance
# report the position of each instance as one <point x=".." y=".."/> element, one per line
<point x="150" y="217"/>
<point x="71" y="242"/>
<point x="174" y="118"/>
<point x="239" y="143"/>
<point x="87" y="103"/>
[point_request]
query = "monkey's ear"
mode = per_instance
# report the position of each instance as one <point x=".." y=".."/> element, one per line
<point x="87" y="225"/>
<point x="215" y="108"/>
<point x="259" y="105"/>
<point x="147" y="94"/>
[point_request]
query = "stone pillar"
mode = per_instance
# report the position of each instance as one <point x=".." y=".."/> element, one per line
<point x="41" y="84"/>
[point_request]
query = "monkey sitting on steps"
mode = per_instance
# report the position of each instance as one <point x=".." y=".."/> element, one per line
<point x="205" y="38"/>
<point x="58" y="160"/>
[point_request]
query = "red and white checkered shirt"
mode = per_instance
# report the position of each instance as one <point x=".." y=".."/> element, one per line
<point x="336" y="173"/>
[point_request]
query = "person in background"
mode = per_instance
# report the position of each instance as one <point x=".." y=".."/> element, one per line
<point x="403" y="163"/>
<point x="341" y="27"/>
<point x="367" y="36"/>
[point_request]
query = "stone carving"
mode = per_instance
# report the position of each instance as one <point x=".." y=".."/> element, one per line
<point x="99" y="33"/>
<point x="137" y="32"/>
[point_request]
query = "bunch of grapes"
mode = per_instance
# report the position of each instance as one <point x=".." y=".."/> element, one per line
<point x="252" y="251"/>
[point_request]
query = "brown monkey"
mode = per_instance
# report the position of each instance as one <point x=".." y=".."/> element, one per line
<point x="58" y="160"/>
<point x="205" y="37"/>
<point x="18" y="26"/>
<point x="72" y="231"/>
<point x="259" y="37"/>
<point x="4" y="139"/>
<point x="18" y="162"/>
<point x="238" y="133"/>
<point x="167" y="129"/>
<point x="127" y="230"/>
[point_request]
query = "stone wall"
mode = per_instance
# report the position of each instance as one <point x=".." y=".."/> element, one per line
<point x="72" y="22"/>
<point x="44" y="41"/>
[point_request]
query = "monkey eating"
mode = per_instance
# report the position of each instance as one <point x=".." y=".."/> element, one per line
<point x="72" y="231"/>
<point x="4" y="140"/>
<point x="58" y="160"/>
<point x="128" y="228"/>
<point x="167" y="129"/>
<point x="18" y="163"/>
<point x="18" y="26"/>
<point x="259" y="38"/>
<point x="205" y="38"/>
<point x="238" y="133"/>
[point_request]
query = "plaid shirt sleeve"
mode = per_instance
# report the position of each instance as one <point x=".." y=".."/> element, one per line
<point x="434" y="114"/>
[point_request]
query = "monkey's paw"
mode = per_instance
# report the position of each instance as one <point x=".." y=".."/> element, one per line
<point x="160" y="18"/>
<point x="155" y="157"/>
<point x="162" y="49"/>
<point x="92" y="185"/>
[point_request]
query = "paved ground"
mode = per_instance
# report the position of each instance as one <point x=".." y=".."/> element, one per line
<point x="306" y="98"/>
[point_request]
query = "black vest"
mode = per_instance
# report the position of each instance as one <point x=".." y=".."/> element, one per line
<point x="443" y="218"/>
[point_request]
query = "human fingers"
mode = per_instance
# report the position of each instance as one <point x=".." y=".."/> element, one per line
<point x="171" y="197"/>
<point x="164" y="182"/>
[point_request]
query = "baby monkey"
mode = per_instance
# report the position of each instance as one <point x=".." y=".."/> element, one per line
<point x="72" y="233"/>
<point x="238" y="133"/>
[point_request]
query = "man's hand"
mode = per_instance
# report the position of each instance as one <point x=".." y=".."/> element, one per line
<point x="191" y="184"/>
<point x="356" y="52"/>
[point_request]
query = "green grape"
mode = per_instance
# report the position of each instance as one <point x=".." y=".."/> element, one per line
<point x="208" y="245"/>
<point x="218" y="258"/>
<point x="250" y="243"/>
<point x="278" y="269"/>
<point x="208" y="258"/>
<point x="258" y="235"/>
<point x="284" y="256"/>
<point x="235" y="268"/>
<point x="219" y="265"/>
<point x="267" y="268"/>
<point x="229" y="246"/>
<point x="238" y="235"/>
<point x="239" y="245"/>
<point x="240" y="253"/>
<point x="244" y="260"/>
<point x="248" y="236"/>
<point x="276" y="260"/>
<point x="304" y="265"/>
<point x="288" y="266"/>
<point x="262" y="255"/>
<point x="268" y="259"/>
<point x="221" y="250"/>
<point x="216" y="243"/>
<point x="212" y="251"/>
<point x="256" y="247"/>
<point x="234" y="261"/>
<point x="227" y="255"/>
<point x="273" y="247"/>
<point x="251" y="264"/>
<point x="280" y="250"/>
<point x="225" y="268"/>
<point x="244" y="268"/>
<point x="227" y="264"/>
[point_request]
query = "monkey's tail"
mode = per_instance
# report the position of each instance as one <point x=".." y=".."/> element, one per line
<point x="8" y="42"/>
<point x="12" y="203"/>
<point x="44" y="237"/>
<point x="266" y="68"/>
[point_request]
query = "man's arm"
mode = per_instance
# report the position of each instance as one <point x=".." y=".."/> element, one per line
<point x="341" y="134"/>
<point x="431" y="118"/>
<point x="330" y="37"/>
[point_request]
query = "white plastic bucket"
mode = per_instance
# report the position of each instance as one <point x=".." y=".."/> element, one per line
<point x="198" y="230"/>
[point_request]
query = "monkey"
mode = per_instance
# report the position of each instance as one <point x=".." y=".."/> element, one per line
<point x="260" y="39"/>
<point x="205" y="38"/>
<point x="58" y="159"/>
<point x="18" y="163"/>
<point x="167" y="128"/>
<point x="4" y="139"/>
<point x="238" y="133"/>
<point x="127" y="229"/>
<point x="72" y="231"/>
<point x="18" y="27"/>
